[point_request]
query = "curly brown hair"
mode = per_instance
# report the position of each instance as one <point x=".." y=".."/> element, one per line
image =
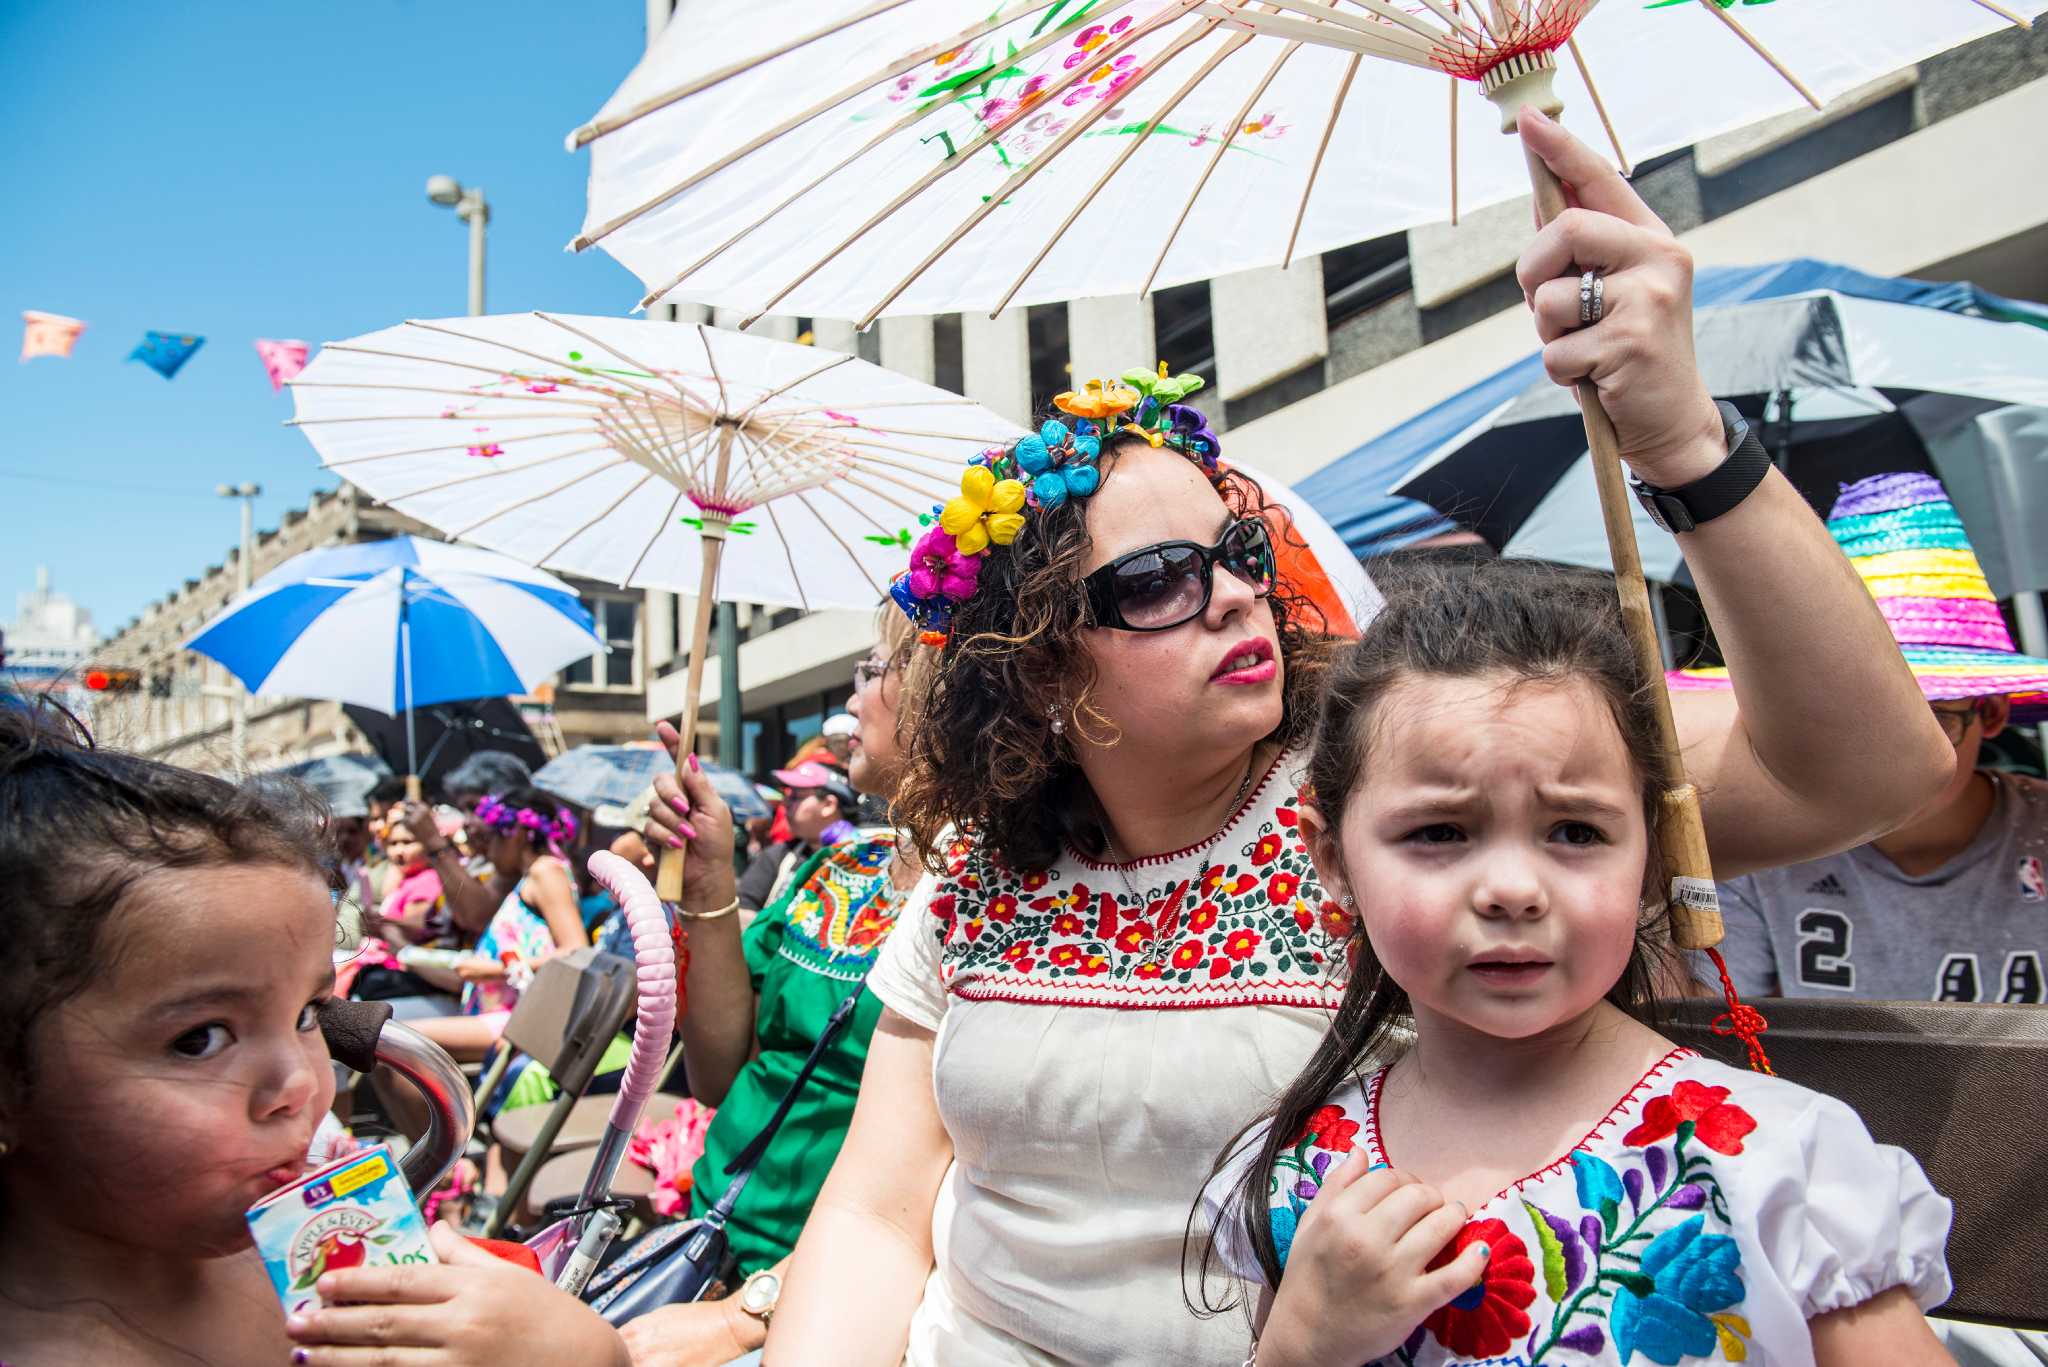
<point x="985" y="758"/>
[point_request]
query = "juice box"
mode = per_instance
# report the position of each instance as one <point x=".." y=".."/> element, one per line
<point x="356" y="1211"/>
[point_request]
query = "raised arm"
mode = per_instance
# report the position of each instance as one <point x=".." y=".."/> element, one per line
<point x="470" y="900"/>
<point x="1826" y="741"/>
<point x="874" y="1213"/>
<point x="717" y="1026"/>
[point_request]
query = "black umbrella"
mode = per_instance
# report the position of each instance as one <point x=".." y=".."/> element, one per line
<point x="449" y="733"/>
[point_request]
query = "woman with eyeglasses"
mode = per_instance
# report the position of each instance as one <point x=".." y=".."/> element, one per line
<point x="1128" y="954"/>
<point x="760" y="999"/>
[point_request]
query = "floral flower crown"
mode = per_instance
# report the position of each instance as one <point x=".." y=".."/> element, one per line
<point x="1004" y="484"/>
<point x="556" y="831"/>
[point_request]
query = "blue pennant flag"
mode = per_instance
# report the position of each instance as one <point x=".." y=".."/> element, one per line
<point x="165" y="352"/>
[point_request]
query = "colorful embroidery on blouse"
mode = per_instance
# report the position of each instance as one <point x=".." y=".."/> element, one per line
<point x="1249" y="925"/>
<point x="1638" y="1264"/>
<point x="838" y="920"/>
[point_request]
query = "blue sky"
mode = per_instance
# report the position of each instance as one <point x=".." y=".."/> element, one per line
<point x="243" y="171"/>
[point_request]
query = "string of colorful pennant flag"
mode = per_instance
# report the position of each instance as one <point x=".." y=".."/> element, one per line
<point x="52" y="334"/>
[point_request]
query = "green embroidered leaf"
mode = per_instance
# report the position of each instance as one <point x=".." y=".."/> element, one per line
<point x="1553" y="1253"/>
<point x="1610" y="1214"/>
<point x="1635" y="1282"/>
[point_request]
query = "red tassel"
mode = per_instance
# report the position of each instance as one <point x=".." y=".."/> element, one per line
<point x="680" y="938"/>
<point x="1741" y="1019"/>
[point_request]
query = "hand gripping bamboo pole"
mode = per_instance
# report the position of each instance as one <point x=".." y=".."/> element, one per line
<point x="1695" y="909"/>
<point x="668" y="877"/>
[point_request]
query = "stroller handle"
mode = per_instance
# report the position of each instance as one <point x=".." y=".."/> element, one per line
<point x="361" y="1035"/>
<point x="655" y="1016"/>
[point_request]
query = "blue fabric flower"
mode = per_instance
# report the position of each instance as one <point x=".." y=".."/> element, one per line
<point x="1285" y="1220"/>
<point x="1599" y="1187"/>
<point x="1061" y="463"/>
<point x="1686" y="1275"/>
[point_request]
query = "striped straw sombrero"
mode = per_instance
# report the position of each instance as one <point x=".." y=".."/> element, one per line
<point x="1903" y="536"/>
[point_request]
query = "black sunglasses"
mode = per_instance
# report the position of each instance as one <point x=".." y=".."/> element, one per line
<point x="1156" y="587"/>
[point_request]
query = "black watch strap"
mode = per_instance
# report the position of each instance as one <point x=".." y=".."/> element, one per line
<point x="1717" y="491"/>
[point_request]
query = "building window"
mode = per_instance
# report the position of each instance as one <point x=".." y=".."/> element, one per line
<point x="617" y="621"/>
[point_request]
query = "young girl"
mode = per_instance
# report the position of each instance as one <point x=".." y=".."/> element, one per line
<point x="1540" y="1177"/>
<point x="411" y="912"/>
<point x="165" y="939"/>
<point x="540" y="916"/>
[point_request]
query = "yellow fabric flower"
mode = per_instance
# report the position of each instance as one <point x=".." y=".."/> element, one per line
<point x="985" y="512"/>
<point x="1098" y="400"/>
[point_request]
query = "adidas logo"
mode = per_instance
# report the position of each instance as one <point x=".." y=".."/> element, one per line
<point x="1829" y="886"/>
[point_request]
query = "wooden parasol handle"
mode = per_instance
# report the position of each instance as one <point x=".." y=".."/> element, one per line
<point x="668" y="875"/>
<point x="1695" y="909"/>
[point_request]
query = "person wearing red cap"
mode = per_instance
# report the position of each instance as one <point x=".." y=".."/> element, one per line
<point x="818" y="804"/>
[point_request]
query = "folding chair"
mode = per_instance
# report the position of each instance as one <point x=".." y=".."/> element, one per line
<point x="565" y="1020"/>
<point x="1958" y="1085"/>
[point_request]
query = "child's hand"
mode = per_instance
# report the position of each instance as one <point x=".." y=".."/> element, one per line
<point x="1356" y="1284"/>
<point x="474" y="1310"/>
<point x="476" y="969"/>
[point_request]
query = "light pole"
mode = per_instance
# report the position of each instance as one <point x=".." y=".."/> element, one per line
<point x="239" y="703"/>
<point x="470" y="206"/>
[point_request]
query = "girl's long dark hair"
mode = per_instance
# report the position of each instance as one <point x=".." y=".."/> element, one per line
<point x="1530" y="623"/>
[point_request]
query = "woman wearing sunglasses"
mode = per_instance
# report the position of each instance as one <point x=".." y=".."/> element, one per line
<point x="1130" y="953"/>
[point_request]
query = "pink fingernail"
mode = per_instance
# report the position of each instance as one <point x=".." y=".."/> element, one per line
<point x="681" y="804"/>
<point x="695" y="768"/>
<point x="688" y="829"/>
<point x="676" y="842"/>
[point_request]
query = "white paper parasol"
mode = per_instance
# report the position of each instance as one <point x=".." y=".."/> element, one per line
<point x="647" y="454"/>
<point x="928" y="156"/>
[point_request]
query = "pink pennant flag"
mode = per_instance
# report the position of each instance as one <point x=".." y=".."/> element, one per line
<point x="48" y="334"/>
<point x="281" y="360"/>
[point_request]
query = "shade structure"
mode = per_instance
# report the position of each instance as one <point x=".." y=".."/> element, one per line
<point x="604" y="447"/>
<point x="1841" y="388"/>
<point x="924" y="156"/>
<point x="398" y="625"/>
<point x="596" y="776"/>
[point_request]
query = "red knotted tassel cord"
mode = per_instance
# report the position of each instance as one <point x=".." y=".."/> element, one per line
<point x="1741" y="1019"/>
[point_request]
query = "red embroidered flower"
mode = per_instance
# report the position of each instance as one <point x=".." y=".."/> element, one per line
<point x="1486" y="1320"/>
<point x="1216" y="883"/>
<point x="1018" y="956"/>
<point x="1067" y="924"/>
<point x="1268" y="848"/>
<point x="1303" y="917"/>
<point x="1148" y="970"/>
<point x="1058" y="901"/>
<point x="1333" y="1130"/>
<point x="972" y="927"/>
<point x="1218" y="966"/>
<point x="956" y="857"/>
<point x="1280" y="888"/>
<point x="1032" y="882"/>
<point x="1201" y="918"/>
<point x="1286" y="815"/>
<point x="1092" y="964"/>
<point x="1717" y="1122"/>
<point x="1336" y="921"/>
<point x="1131" y="939"/>
<point x="1003" y="908"/>
<point x="1064" y="956"/>
<point x="1189" y="954"/>
<point x="1239" y="944"/>
<point x="970" y="880"/>
<point x="944" y="908"/>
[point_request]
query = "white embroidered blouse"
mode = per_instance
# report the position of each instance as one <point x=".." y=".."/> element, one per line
<point x="1706" y="1218"/>
<point x="1097" y="1050"/>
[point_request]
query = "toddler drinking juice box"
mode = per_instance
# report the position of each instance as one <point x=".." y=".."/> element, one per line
<point x="355" y="1211"/>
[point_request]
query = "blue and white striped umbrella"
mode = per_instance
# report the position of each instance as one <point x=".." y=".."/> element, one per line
<point x="399" y="624"/>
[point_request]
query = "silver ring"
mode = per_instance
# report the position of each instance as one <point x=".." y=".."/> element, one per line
<point x="1592" y="298"/>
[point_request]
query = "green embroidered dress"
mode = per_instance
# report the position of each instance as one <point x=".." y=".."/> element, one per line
<point x="806" y="953"/>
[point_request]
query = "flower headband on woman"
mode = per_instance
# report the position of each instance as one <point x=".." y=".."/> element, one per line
<point x="1004" y="484"/>
<point x="555" y="832"/>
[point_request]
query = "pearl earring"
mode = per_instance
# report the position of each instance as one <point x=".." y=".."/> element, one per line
<point x="1059" y="723"/>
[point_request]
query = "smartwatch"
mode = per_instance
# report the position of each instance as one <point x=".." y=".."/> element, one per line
<point x="758" y="1295"/>
<point x="1717" y="491"/>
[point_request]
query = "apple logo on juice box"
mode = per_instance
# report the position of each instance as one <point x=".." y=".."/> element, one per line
<point x="354" y="1212"/>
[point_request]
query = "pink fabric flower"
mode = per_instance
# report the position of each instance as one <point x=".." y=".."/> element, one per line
<point x="669" y="1149"/>
<point x="938" y="568"/>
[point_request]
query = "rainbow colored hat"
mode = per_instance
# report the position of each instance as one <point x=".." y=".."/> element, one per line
<point x="1903" y="536"/>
